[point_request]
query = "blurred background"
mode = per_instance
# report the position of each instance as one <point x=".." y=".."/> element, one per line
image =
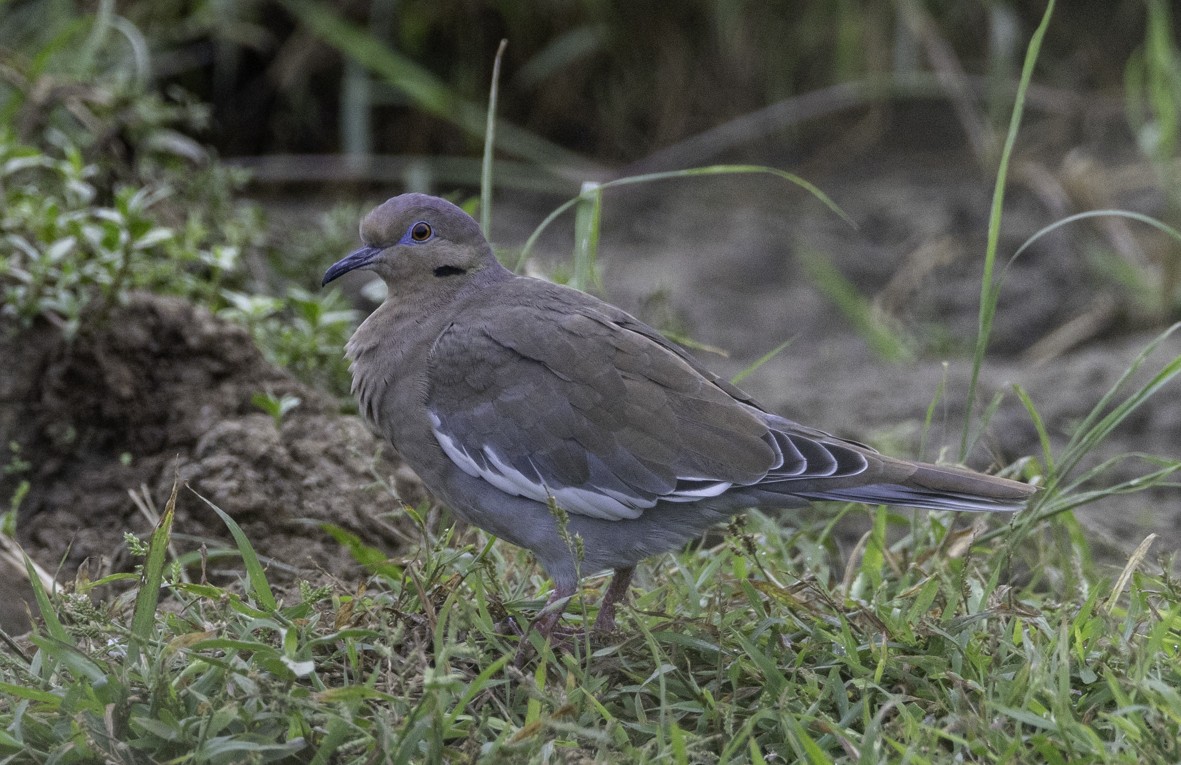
<point x="583" y="82"/>
<point x="326" y="103"/>
<point x="220" y="154"/>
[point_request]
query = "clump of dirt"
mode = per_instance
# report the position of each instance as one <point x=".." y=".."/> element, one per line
<point x="163" y="390"/>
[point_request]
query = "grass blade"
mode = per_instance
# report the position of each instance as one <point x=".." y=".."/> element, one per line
<point x="760" y="361"/>
<point x="990" y="288"/>
<point x="587" y="217"/>
<point x="1096" y="426"/>
<point x="1160" y="226"/>
<point x="489" y="145"/>
<point x="143" y="619"/>
<point x="1039" y="425"/>
<point x="1126" y="575"/>
<point x="256" y="576"/>
<point x="854" y="306"/>
<point x="53" y="625"/>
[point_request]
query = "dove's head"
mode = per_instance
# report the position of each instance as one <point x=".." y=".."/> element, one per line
<point x="415" y="241"/>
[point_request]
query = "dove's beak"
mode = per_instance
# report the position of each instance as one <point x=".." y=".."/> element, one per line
<point x="362" y="258"/>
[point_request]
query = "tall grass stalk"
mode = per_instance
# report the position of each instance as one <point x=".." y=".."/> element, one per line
<point x="990" y="287"/>
<point x="588" y="219"/>
<point x="490" y="144"/>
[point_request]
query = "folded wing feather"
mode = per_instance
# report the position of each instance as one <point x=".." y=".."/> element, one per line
<point x="587" y="406"/>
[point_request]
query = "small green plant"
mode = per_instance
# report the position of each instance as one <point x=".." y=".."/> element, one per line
<point x="64" y="253"/>
<point x="69" y="258"/>
<point x="85" y="78"/>
<point x="67" y="254"/>
<point x="302" y="331"/>
<point x="84" y="222"/>
<point x="276" y="406"/>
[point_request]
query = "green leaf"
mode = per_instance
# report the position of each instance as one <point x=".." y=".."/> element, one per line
<point x="52" y="700"/>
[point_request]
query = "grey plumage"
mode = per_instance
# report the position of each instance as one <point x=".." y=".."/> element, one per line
<point x="505" y="392"/>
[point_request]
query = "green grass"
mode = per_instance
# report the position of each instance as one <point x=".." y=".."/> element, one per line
<point x="919" y="647"/>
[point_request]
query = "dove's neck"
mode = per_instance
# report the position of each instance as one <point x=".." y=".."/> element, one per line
<point x="414" y="312"/>
<point x="390" y="350"/>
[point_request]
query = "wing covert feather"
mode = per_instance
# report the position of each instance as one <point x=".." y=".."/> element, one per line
<point x="571" y="399"/>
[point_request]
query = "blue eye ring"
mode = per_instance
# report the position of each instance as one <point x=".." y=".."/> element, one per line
<point x="420" y="231"/>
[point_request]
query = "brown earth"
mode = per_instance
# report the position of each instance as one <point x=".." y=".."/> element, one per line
<point x="160" y="391"/>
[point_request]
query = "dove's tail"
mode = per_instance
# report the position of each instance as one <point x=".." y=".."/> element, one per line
<point x="819" y="466"/>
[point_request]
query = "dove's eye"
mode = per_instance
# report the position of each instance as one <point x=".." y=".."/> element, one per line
<point x="421" y="231"/>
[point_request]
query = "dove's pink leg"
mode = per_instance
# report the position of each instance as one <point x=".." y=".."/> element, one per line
<point x="617" y="591"/>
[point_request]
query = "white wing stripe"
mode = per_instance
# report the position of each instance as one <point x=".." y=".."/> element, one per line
<point x="692" y="495"/>
<point x="596" y="503"/>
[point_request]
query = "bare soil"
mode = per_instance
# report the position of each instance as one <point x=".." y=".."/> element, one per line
<point x="161" y="391"/>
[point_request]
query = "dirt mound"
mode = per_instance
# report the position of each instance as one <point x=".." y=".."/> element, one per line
<point x="163" y="388"/>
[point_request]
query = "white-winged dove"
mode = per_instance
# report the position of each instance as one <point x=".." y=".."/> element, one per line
<point x="508" y="395"/>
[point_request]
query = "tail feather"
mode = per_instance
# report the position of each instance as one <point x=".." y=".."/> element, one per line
<point x="938" y="487"/>
<point x="907" y="496"/>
